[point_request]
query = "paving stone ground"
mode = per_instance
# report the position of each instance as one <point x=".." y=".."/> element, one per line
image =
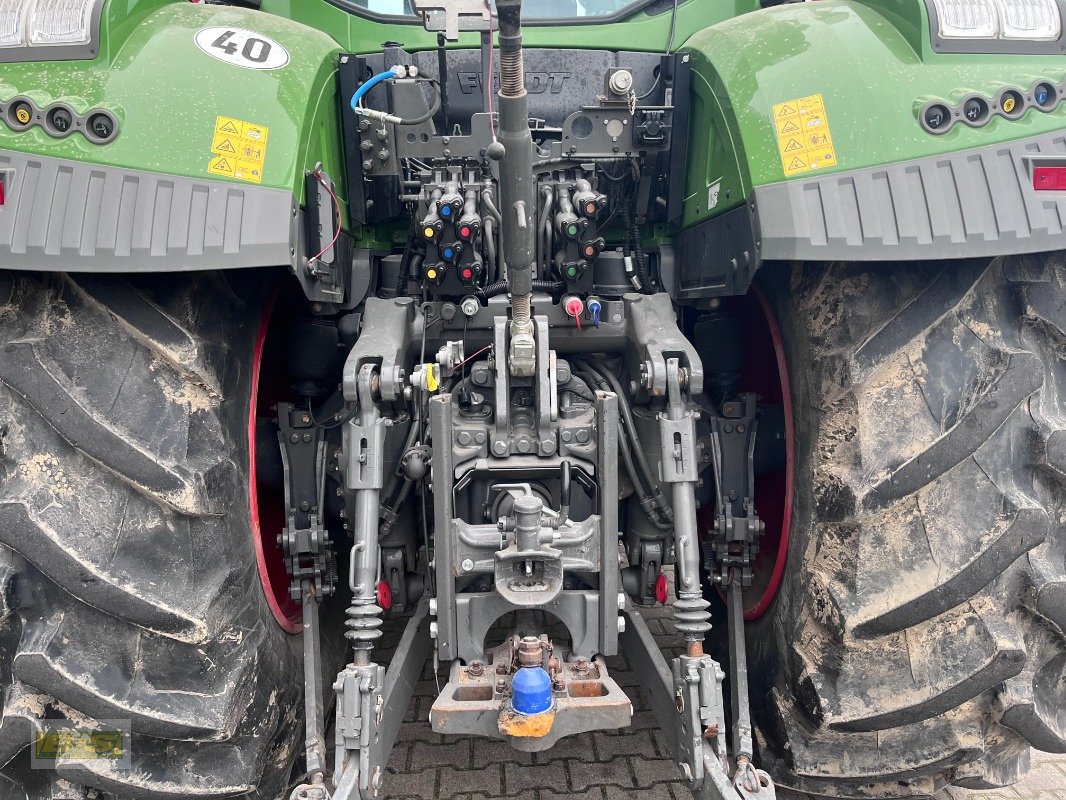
<point x="633" y="763"/>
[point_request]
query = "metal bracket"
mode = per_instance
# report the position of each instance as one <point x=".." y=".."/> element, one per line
<point x="311" y="564"/>
<point x="371" y="704"/>
<point x="686" y="698"/>
<point x="452" y="16"/>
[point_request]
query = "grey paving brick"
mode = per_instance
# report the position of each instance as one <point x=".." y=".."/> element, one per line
<point x="660" y="791"/>
<point x="632" y="743"/>
<point x="578" y="748"/>
<point x="398" y="757"/>
<point x="592" y="794"/>
<point x="497" y="751"/>
<point x="652" y="771"/>
<point x="605" y="773"/>
<point x="517" y="777"/>
<point x="453" y="751"/>
<point x="410" y="784"/>
<point x="454" y="780"/>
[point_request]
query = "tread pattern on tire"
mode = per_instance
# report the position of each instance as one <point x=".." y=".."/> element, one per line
<point x="919" y="640"/>
<point x="127" y="567"/>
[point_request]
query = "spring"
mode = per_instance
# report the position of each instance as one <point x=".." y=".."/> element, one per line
<point x="691" y="617"/>
<point x="512" y="74"/>
<point x="363" y="623"/>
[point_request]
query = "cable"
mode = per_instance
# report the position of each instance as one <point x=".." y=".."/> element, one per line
<point x="469" y="358"/>
<point x="336" y="207"/>
<point x="654" y="86"/>
<point x="337" y="421"/>
<point x="673" y="28"/>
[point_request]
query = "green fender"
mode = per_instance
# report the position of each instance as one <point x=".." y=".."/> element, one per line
<point x="874" y="67"/>
<point x="167" y="94"/>
<point x="884" y="188"/>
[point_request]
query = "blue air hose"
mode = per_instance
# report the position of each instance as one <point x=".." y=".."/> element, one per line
<point x="395" y="72"/>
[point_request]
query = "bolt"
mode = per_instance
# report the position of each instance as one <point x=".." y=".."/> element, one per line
<point x="582" y="435"/>
<point x="547" y="446"/>
<point x="476" y="669"/>
<point x="467" y="565"/>
<point x="479" y="437"/>
<point x="501" y="669"/>
<point x="499" y="447"/>
<point x="559" y="684"/>
<point x="294" y="438"/>
<point x="524" y="445"/>
<point x="464" y="438"/>
<point x="433" y="630"/>
<point x="568" y="435"/>
<point x="501" y="686"/>
<point x="581" y="666"/>
<point x="621" y="624"/>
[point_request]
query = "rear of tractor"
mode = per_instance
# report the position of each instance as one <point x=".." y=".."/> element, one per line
<point x="490" y="328"/>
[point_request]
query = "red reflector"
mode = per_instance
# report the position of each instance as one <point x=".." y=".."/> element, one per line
<point x="1049" y="179"/>
<point x="661" y="587"/>
<point x="464" y="232"/>
<point x="467" y="274"/>
<point x="384" y="596"/>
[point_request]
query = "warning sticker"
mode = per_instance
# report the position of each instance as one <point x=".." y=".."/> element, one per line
<point x="803" y="138"/>
<point x="239" y="149"/>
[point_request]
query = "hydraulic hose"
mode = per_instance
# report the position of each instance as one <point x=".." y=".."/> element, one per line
<point x="395" y="72"/>
<point x="631" y="429"/>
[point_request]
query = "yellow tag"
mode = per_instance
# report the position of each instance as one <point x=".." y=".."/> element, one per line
<point x="1008" y="104"/>
<point x="432" y="380"/>
<point x="803" y="138"/>
<point x="23" y="115"/>
<point x="239" y="149"/>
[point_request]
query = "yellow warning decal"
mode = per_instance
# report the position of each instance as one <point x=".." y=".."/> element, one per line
<point x="239" y="149"/>
<point x="803" y="138"/>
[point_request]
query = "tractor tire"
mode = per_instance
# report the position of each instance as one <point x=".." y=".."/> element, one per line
<point x="918" y="639"/>
<point x="128" y="573"/>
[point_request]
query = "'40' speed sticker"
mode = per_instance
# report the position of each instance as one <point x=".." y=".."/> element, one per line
<point x="242" y="48"/>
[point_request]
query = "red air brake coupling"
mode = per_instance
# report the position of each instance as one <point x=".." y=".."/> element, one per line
<point x="575" y="308"/>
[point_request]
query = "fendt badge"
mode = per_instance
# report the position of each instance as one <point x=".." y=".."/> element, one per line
<point x="536" y="82"/>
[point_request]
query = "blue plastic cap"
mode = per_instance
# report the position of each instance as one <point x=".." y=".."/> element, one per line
<point x="531" y="691"/>
<point x="595" y="308"/>
<point x="445" y="211"/>
<point x="448" y="252"/>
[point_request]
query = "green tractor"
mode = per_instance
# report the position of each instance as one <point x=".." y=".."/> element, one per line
<point x="490" y="324"/>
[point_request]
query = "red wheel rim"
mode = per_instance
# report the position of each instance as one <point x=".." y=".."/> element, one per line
<point x="773" y="492"/>
<point x="763" y="347"/>
<point x="267" y="509"/>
